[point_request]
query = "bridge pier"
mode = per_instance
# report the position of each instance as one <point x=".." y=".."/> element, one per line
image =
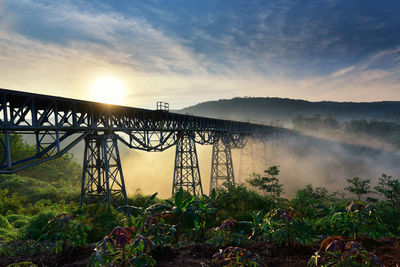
<point x="221" y="163"/>
<point x="186" y="171"/>
<point x="102" y="177"/>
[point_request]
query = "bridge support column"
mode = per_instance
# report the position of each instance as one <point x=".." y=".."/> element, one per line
<point x="102" y="177"/>
<point x="186" y="171"/>
<point x="221" y="164"/>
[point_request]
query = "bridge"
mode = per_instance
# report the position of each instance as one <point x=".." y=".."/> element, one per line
<point x="58" y="124"/>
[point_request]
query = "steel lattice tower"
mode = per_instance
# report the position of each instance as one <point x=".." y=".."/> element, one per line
<point x="186" y="172"/>
<point x="102" y="177"/>
<point x="221" y="164"/>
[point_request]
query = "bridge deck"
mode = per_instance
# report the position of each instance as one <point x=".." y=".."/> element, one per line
<point x="21" y="111"/>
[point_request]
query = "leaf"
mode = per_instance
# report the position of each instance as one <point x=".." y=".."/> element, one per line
<point x="328" y="240"/>
<point x="179" y="198"/>
<point x="130" y="209"/>
<point x="152" y="197"/>
<point x="196" y="224"/>
<point x="157" y="208"/>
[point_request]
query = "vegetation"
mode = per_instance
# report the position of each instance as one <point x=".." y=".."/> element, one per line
<point x="264" y="109"/>
<point x="385" y="132"/>
<point x="39" y="216"/>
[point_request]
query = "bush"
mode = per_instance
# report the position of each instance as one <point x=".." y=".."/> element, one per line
<point x="4" y="223"/>
<point x="311" y="203"/>
<point x="9" y="203"/>
<point x="101" y="219"/>
<point x="14" y="217"/>
<point x="18" y="221"/>
<point x="239" y="202"/>
<point x="37" y="225"/>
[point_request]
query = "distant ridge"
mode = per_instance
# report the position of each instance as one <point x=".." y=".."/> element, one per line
<point x="266" y="109"/>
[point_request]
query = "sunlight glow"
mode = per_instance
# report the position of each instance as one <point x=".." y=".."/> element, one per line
<point x="108" y="90"/>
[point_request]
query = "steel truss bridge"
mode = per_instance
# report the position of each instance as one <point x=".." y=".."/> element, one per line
<point x="58" y="124"/>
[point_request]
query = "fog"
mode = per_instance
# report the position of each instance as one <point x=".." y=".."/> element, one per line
<point x="302" y="160"/>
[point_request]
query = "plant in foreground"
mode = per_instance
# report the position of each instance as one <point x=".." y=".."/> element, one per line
<point x="334" y="251"/>
<point x="358" y="219"/>
<point x="65" y="231"/>
<point x="236" y="256"/>
<point x="225" y="234"/>
<point x="284" y="226"/>
<point x="123" y="247"/>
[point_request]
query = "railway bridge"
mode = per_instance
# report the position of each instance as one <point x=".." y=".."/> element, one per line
<point x="58" y="124"/>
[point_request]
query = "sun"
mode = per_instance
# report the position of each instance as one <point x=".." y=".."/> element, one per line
<point x="108" y="90"/>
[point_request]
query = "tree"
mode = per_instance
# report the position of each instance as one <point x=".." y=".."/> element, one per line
<point x="390" y="188"/>
<point x="358" y="186"/>
<point x="268" y="184"/>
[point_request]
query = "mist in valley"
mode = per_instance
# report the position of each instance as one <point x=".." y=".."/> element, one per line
<point x="301" y="159"/>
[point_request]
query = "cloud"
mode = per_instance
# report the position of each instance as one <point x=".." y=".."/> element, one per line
<point x="342" y="71"/>
<point x="141" y="46"/>
<point x="265" y="49"/>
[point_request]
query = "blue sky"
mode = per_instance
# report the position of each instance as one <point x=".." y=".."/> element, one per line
<point x="189" y="51"/>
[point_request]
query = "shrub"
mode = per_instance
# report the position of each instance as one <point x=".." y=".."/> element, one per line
<point x="37" y="225"/>
<point x="239" y="202"/>
<point x="66" y="231"/>
<point x="101" y="219"/>
<point x="4" y="222"/>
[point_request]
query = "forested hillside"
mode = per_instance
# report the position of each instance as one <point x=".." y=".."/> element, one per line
<point x="259" y="109"/>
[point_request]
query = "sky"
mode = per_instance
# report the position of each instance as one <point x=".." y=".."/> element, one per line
<point x="186" y="51"/>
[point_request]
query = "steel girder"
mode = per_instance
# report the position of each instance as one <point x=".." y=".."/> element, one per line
<point x="20" y="111"/>
<point x="102" y="177"/>
<point x="60" y="123"/>
<point x="186" y="169"/>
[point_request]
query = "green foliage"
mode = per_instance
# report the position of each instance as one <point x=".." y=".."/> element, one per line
<point x="100" y="218"/>
<point x="284" y="226"/>
<point x="389" y="188"/>
<point x="315" y="122"/>
<point x="228" y="233"/>
<point x="184" y="210"/>
<point x="63" y="170"/>
<point x="9" y="203"/>
<point x="124" y="248"/>
<point x="383" y="131"/>
<point x="138" y="199"/>
<point x="358" y="186"/>
<point x="18" y="247"/>
<point x="37" y="225"/>
<point x="20" y="187"/>
<point x="66" y="231"/>
<point x="18" y="221"/>
<point x="22" y="264"/>
<point x="334" y="251"/>
<point x="390" y="216"/>
<point x="239" y="202"/>
<point x="268" y="184"/>
<point x="312" y="203"/>
<point x="4" y="222"/>
<point x="356" y="220"/>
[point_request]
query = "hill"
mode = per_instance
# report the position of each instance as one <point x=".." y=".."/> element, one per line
<point x="259" y="109"/>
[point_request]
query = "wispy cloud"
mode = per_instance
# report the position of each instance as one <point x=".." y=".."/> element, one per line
<point x="243" y="49"/>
